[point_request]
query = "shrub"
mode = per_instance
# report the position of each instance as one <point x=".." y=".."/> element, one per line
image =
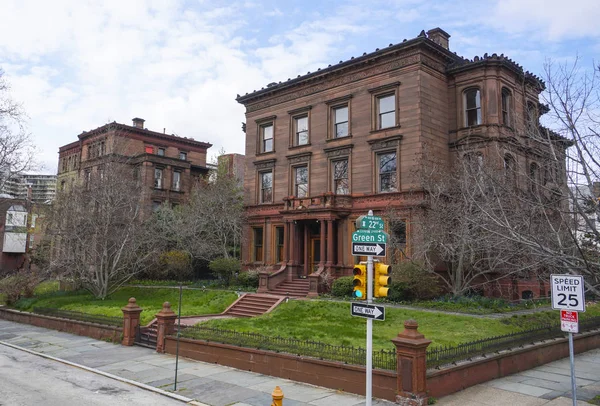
<point x="225" y="268"/>
<point x="342" y="287"/>
<point x="20" y="284"/>
<point x="410" y="281"/>
<point x="248" y="279"/>
<point x="398" y="292"/>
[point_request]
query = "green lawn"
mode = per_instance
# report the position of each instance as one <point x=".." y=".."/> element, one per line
<point x="331" y="322"/>
<point x="195" y="302"/>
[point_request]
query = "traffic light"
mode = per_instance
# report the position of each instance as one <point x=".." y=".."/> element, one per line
<point x="360" y="282"/>
<point x="382" y="280"/>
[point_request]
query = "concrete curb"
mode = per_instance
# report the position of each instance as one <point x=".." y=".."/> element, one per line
<point x="108" y="375"/>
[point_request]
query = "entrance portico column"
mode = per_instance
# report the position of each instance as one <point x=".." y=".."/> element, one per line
<point x="322" y="244"/>
<point x="329" y="242"/>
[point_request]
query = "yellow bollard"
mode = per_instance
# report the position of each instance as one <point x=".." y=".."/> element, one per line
<point x="277" y="397"/>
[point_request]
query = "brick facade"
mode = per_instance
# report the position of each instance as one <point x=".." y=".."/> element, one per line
<point x="145" y="151"/>
<point x="381" y="116"/>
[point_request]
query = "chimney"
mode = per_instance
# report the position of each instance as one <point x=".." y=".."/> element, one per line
<point x="138" y="122"/>
<point x="440" y="37"/>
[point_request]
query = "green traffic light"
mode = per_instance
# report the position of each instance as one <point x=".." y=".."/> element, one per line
<point x="358" y="293"/>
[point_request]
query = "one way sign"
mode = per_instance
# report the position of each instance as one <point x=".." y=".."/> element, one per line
<point x="368" y="249"/>
<point x="367" y="311"/>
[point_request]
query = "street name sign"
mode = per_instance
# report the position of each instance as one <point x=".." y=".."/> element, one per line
<point x="367" y="311"/>
<point x="366" y="249"/>
<point x="369" y="236"/>
<point x="369" y="223"/>
<point x="569" y="321"/>
<point x="568" y="292"/>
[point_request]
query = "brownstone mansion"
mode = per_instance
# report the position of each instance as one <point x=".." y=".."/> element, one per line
<point x="325" y="147"/>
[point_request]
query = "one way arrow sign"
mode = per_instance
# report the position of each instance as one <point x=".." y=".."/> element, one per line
<point x="368" y="249"/>
<point x="367" y="311"/>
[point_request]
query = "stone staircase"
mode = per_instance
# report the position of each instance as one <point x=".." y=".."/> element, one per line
<point x="250" y="305"/>
<point x="294" y="288"/>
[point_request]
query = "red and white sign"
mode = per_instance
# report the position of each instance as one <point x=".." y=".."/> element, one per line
<point x="569" y="321"/>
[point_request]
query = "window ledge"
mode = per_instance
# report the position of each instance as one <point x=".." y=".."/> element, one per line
<point x="339" y="138"/>
<point x="265" y="153"/>
<point x="299" y="146"/>
<point x="177" y="191"/>
<point x="396" y="127"/>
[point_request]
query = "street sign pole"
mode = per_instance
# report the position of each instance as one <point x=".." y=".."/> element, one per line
<point x="369" y="328"/>
<point x="568" y="295"/>
<point x="572" y="356"/>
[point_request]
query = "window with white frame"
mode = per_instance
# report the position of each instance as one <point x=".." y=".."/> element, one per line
<point x="387" y="172"/>
<point x="158" y="178"/>
<point x="340" y="122"/>
<point x="340" y="181"/>
<point x="301" y="181"/>
<point x="176" y="181"/>
<point x="160" y="151"/>
<point x="266" y="187"/>
<point x="301" y="130"/>
<point x="472" y="100"/>
<point x="183" y="156"/>
<point x="386" y="111"/>
<point x="266" y="137"/>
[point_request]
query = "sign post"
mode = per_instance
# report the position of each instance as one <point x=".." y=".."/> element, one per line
<point x="369" y="239"/>
<point x="568" y="296"/>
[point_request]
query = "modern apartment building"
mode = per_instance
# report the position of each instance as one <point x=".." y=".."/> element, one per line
<point x="41" y="187"/>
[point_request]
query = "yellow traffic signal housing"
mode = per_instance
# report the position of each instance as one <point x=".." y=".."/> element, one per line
<point x="360" y="282"/>
<point x="382" y="280"/>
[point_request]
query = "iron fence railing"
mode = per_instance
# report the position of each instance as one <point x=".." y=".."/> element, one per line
<point x="79" y="316"/>
<point x="443" y="355"/>
<point x="383" y="359"/>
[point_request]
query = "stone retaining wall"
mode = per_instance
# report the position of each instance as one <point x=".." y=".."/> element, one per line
<point x="82" y="328"/>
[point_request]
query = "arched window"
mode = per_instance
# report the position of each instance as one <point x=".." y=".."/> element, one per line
<point x="472" y="103"/>
<point x="532" y="119"/>
<point x="534" y="176"/>
<point x="506" y="103"/>
<point x="510" y="169"/>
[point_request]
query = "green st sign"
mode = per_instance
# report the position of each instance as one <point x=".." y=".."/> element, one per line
<point x="377" y="236"/>
<point x="369" y="223"/>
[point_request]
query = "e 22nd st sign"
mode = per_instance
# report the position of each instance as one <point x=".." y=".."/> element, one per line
<point x="568" y="292"/>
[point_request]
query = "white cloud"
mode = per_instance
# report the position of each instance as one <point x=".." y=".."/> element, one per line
<point x="552" y="19"/>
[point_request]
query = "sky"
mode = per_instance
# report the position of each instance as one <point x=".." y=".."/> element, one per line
<point x="77" y="65"/>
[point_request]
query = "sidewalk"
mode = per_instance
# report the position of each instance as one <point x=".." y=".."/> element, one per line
<point x="549" y="384"/>
<point x="212" y="384"/>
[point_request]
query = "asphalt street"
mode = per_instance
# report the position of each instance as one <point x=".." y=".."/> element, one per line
<point x="27" y="379"/>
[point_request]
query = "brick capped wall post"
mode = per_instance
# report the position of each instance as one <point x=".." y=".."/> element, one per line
<point x="411" y="353"/>
<point x="131" y="320"/>
<point x="165" y="325"/>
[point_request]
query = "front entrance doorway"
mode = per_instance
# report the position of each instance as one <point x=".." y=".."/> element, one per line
<point x="315" y="253"/>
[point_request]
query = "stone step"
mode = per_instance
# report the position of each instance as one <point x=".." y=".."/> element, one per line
<point x="241" y="313"/>
<point x="250" y="308"/>
<point x="267" y="302"/>
<point x="288" y="293"/>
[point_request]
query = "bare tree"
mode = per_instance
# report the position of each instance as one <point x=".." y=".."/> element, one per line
<point x="16" y="148"/>
<point x="209" y="225"/>
<point x="100" y="240"/>
<point x="456" y="234"/>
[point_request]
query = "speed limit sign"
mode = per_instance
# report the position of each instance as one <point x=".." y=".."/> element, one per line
<point x="568" y="292"/>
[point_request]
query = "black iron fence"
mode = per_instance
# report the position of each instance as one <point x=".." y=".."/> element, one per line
<point x="383" y="359"/>
<point x="79" y="316"/>
<point x="438" y="356"/>
<point x="386" y="358"/>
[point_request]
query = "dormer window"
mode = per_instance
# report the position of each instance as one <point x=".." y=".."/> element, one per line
<point x="472" y="100"/>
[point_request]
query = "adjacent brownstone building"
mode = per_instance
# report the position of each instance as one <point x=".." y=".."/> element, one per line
<point x="324" y="148"/>
<point x="167" y="164"/>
